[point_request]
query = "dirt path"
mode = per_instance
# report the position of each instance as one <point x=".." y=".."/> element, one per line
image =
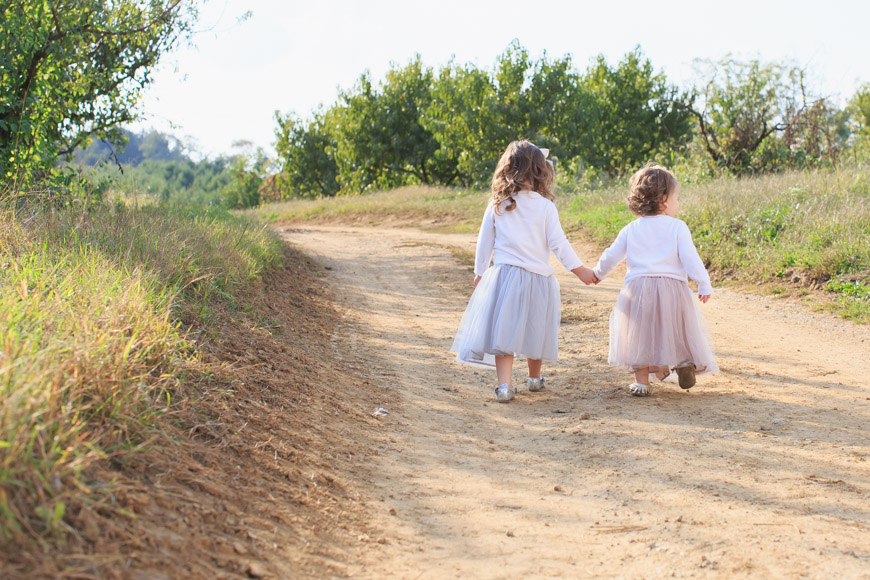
<point x="761" y="471"/>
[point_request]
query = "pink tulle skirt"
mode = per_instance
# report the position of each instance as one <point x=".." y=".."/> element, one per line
<point x="657" y="323"/>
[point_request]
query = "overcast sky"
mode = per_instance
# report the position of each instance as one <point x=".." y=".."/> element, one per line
<point x="293" y="56"/>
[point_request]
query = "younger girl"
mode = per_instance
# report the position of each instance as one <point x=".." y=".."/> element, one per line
<point x="515" y="308"/>
<point x="656" y="326"/>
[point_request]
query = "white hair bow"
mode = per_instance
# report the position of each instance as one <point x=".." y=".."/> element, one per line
<point x="544" y="150"/>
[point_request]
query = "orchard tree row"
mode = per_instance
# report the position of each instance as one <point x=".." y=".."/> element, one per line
<point x="449" y="126"/>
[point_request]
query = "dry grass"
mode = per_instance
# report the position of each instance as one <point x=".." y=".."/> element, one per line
<point x="95" y="311"/>
<point x="433" y="208"/>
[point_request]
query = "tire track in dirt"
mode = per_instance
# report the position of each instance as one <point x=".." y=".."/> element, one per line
<point x="759" y="471"/>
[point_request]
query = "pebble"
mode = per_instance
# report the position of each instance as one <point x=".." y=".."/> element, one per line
<point x="256" y="570"/>
<point x="240" y="549"/>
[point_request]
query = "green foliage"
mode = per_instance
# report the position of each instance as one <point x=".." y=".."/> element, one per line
<point x="71" y="69"/>
<point x="152" y="168"/>
<point x="307" y="155"/>
<point x="450" y="126"/>
<point x="425" y="127"/>
<point x="858" y="115"/>
<point x="754" y="117"/>
<point x="380" y="141"/>
<point x="851" y="288"/>
<point x="248" y="172"/>
<point x="197" y="183"/>
<point x="461" y="118"/>
<point x="631" y="115"/>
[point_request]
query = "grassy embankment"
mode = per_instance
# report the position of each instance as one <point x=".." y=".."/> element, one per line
<point x="797" y="233"/>
<point x="100" y="309"/>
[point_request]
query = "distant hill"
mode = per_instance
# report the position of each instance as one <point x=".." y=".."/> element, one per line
<point x="136" y="148"/>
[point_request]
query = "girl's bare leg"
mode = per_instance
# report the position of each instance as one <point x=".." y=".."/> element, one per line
<point x="642" y="376"/>
<point x="640" y="386"/>
<point x="535" y="368"/>
<point x="503" y="367"/>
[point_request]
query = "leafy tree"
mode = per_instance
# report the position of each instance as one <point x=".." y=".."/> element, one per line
<point x="510" y="108"/>
<point x="306" y="156"/>
<point x="248" y="171"/>
<point x="817" y="136"/>
<point x="474" y="114"/>
<point x="197" y="183"/>
<point x="158" y="146"/>
<point x="461" y="117"/>
<point x="744" y="107"/>
<point x="451" y="125"/>
<point x="381" y="141"/>
<point x="629" y="114"/>
<point x="70" y="69"/>
<point x="555" y="107"/>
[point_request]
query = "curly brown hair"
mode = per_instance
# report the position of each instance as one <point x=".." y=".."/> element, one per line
<point x="649" y="187"/>
<point x="523" y="166"/>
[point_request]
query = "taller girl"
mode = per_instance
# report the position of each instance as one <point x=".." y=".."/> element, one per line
<point x="515" y="308"/>
<point x="656" y="325"/>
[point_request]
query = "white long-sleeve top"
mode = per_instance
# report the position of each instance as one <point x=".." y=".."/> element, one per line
<point x="524" y="236"/>
<point x="656" y="245"/>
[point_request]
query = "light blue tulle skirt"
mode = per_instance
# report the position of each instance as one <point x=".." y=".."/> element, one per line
<point x="511" y="312"/>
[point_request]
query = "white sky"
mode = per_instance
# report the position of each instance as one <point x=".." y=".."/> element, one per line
<point x="293" y="56"/>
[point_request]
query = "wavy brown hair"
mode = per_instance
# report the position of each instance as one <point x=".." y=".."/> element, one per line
<point x="523" y="166"/>
<point x="649" y="187"/>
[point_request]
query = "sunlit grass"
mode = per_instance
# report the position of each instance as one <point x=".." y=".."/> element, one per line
<point x="95" y="307"/>
<point x="436" y="208"/>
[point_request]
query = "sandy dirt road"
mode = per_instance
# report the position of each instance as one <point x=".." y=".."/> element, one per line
<point x="762" y="471"/>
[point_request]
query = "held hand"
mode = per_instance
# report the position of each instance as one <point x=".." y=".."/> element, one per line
<point x="703" y="298"/>
<point x="476" y="280"/>
<point x="586" y="275"/>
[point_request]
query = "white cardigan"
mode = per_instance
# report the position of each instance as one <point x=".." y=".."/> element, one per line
<point x="656" y="245"/>
<point x="524" y="236"/>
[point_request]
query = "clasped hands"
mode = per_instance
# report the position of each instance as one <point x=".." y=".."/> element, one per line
<point x="586" y="275"/>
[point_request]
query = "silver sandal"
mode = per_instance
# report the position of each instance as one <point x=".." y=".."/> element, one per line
<point x="639" y="390"/>
<point x="504" y="393"/>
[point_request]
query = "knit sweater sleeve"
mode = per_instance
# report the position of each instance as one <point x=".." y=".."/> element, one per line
<point x="692" y="261"/>
<point x="485" y="241"/>
<point x="612" y="255"/>
<point x="558" y="241"/>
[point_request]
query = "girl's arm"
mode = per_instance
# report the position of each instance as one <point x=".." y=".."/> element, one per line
<point x="611" y="256"/>
<point x="558" y="241"/>
<point x="692" y="261"/>
<point x="485" y="242"/>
